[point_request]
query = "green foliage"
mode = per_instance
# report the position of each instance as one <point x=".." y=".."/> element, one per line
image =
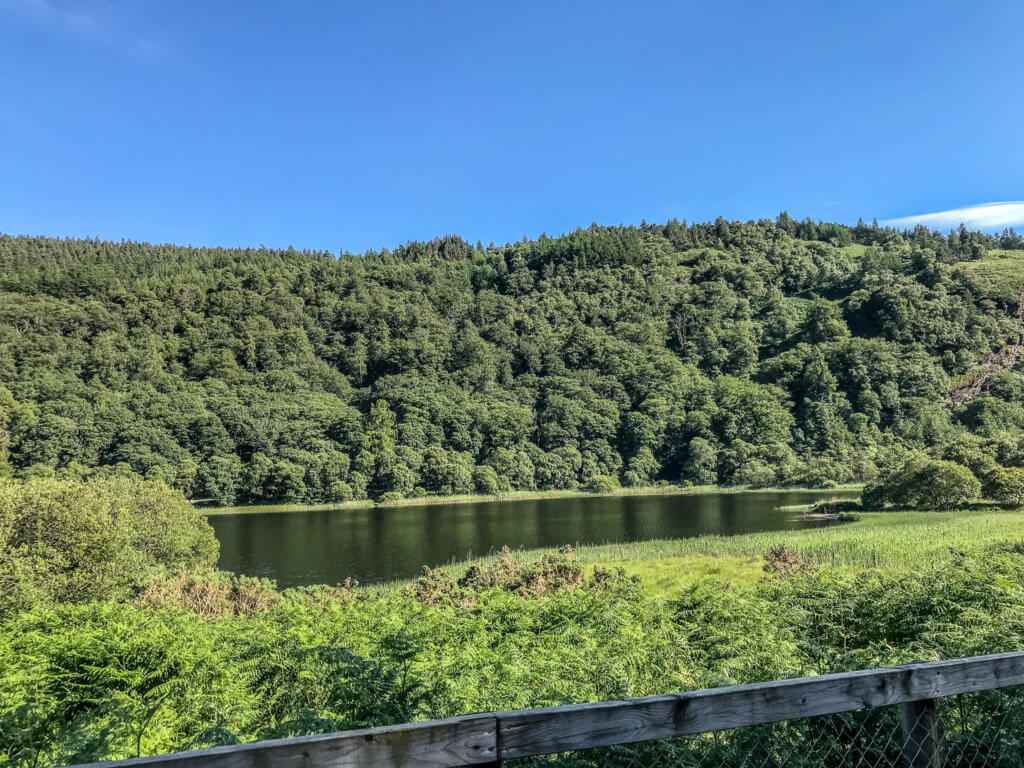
<point x="998" y="276"/>
<point x="112" y="681"/>
<point x="824" y="322"/>
<point x="770" y="352"/>
<point x="11" y="413"/>
<point x="102" y="680"/>
<point x="921" y="482"/>
<point x="1006" y="485"/>
<point x="486" y="480"/>
<point x="603" y="484"/>
<point x="990" y="416"/>
<point x="733" y="637"/>
<point x="305" y="689"/>
<point x="68" y="541"/>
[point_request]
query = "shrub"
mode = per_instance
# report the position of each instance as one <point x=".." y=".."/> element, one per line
<point x="836" y="507"/>
<point x="212" y="597"/>
<point x="323" y="596"/>
<point x="923" y="483"/>
<point x="550" y="574"/>
<point x="485" y="480"/>
<point x="341" y="491"/>
<point x="784" y="561"/>
<point x="755" y="473"/>
<point x="1006" y="485"/>
<point x="71" y="541"/>
<point x="603" y="484"/>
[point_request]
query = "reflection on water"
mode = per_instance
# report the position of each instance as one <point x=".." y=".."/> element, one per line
<point x="379" y="544"/>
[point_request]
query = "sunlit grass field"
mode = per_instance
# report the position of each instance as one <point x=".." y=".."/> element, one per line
<point x="892" y="541"/>
<point x="1000" y="275"/>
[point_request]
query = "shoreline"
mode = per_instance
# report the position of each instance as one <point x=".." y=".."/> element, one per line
<point x="649" y="490"/>
<point x="892" y="541"/>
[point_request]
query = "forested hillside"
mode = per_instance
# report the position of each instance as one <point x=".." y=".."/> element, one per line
<point x="767" y="353"/>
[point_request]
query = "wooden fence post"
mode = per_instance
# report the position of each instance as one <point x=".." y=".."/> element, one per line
<point x="920" y="734"/>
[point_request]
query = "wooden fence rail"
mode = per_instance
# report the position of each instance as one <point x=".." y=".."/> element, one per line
<point x="492" y="737"/>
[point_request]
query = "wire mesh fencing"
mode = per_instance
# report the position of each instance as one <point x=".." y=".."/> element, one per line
<point x="956" y="713"/>
<point x="976" y="730"/>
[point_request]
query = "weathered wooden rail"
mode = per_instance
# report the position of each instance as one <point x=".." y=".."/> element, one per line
<point x="495" y="736"/>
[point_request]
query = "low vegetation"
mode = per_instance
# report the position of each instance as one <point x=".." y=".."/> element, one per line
<point x="68" y="541"/>
<point x="173" y="655"/>
<point x="921" y="482"/>
<point x="110" y="679"/>
<point x="999" y="275"/>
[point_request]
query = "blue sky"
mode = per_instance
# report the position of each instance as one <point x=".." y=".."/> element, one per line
<point x="342" y="125"/>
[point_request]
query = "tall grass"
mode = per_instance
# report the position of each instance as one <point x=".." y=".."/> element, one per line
<point x="1000" y="275"/>
<point x="894" y="541"/>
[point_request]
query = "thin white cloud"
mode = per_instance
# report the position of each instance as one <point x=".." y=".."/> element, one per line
<point x="75" y="19"/>
<point x="97" y="22"/>
<point x="986" y="216"/>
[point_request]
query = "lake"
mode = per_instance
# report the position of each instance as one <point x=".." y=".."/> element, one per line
<point x="378" y="544"/>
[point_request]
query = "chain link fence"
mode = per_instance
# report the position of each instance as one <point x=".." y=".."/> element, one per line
<point x="977" y="730"/>
<point x="958" y="713"/>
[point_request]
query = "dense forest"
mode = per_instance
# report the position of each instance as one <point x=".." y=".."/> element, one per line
<point x="762" y="353"/>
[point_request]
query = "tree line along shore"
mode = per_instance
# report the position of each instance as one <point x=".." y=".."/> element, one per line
<point x="767" y="353"/>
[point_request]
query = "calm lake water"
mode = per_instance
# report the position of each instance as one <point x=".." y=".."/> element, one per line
<point x="378" y="544"/>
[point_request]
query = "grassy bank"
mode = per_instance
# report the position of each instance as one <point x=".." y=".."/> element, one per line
<point x="652" y="490"/>
<point x="891" y="541"/>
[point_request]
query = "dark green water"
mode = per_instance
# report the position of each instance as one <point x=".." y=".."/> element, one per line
<point x="373" y="545"/>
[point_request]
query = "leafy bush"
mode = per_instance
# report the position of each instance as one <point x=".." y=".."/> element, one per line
<point x="485" y="480"/>
<point x="603" y="484"/>
<point x="784" y="561"/>
<point x="923" y="483"/>
<point x="65" y="541"/>
<point x="836" y="507"/>
<point x="754" y="473"/>
<point x="552" y="573"/>
<point x="1006" y="485"/>
<point x="339" y="490"/>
